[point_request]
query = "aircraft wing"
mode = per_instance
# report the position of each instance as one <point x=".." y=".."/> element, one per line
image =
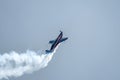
<point x="52" y="41"/>
<point x="63" y="39"/>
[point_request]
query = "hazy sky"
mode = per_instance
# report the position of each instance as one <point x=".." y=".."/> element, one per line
<point x="93" y="27"/>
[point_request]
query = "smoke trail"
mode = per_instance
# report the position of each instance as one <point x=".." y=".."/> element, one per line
<point x="15" y="64"/>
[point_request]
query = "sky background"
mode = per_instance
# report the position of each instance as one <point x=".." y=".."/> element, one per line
<point x="92" y="51"/>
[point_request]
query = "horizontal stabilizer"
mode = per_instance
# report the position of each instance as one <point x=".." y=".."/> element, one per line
<point x="48" y="51"/>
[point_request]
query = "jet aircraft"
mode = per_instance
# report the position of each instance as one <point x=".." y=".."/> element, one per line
<point x="55" y="42"/>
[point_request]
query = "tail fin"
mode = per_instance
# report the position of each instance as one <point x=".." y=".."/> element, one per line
<point x="48" y="51"/>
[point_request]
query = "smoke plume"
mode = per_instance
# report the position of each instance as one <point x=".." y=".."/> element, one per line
<point x="14" y="64"/>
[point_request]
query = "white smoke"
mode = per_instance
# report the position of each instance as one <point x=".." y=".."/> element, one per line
<point x="14" y="64"/>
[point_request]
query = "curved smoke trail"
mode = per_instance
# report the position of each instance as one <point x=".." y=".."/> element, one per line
<point x="15" y="64"/>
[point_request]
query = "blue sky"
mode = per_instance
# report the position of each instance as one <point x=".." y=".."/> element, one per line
<point x="93" y="49"/>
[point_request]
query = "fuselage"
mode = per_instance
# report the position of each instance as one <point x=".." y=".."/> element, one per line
<point x="57" y="41"/>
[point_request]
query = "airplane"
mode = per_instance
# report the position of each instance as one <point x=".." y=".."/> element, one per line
<point x="55" y="42"/>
